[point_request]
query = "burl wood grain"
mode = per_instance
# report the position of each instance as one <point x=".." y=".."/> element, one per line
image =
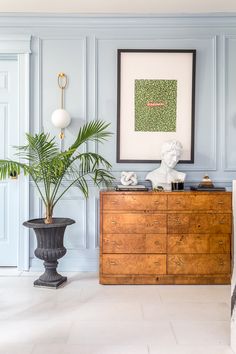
<point x="198" y="243"/>
<point x="134" y="202"/>
<point x="127" y="223"/>
<point x="165" y="238"/>
<point x="218" y="202"/>
<point x="198" y="264"/>
<point x="134" y="264"/>
<point x="220" y="244"/>
<point x="134" y="243"/>
<point x="199" y="223"/>
<point x="165" y="279"/>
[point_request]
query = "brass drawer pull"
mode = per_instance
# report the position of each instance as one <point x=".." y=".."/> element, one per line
<point x="157" y="263"/>
<point x="222" y="222"/>
<point x="157" y="202"/>
<point x="177" y="202"/>
<point x="153" y="224"/>
<point x="177" y="220"/>
<point x="221" y="262"/>
<point x="113" y="222"/>
<point x="113" y="263"/>
<point x="220" y="243"/>
<point x="117" y="243"/>
<point x="220" y="202"/>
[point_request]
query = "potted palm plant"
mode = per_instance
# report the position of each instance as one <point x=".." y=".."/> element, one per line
<point x="54" y="172"/>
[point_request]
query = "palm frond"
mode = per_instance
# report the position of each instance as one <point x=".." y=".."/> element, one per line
<point x="83" y="186"/>
<point x="102" y="177"/>
<point x="92" y="131"/>
<point x="41" y="158"/>
<point x="40" y="148"/>
<point x="87" y="163"/>
<point x="9" y="168"/>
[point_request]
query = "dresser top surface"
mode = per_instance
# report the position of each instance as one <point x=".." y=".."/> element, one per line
<point x="188" y="192"/>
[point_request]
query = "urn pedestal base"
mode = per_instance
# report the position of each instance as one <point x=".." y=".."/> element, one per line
<point x="50" y="278"/>
<point x="51" y="285"/>
<point x="50" y="248"/>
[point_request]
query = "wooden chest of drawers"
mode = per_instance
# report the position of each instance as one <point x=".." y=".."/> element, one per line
<point x="165" y="237"/>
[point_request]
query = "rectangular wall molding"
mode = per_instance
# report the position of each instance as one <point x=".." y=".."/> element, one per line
<point x="97" y="223"/>
<point x="205" y="101"/>
<point x="3" y="80"/>
<point x="3" y="212"/>
<point x="3" y="130"/>
<point x="229" y="74"/>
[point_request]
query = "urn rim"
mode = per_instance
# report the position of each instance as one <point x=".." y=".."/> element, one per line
<point x="56" y="222"/>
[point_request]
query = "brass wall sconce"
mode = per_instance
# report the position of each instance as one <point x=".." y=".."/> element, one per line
<point x="60" y="117"/>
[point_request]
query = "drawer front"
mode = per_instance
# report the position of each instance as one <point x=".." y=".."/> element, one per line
<point x="198" y="202"/>
<point x="198" y="243"/>
<point x="131" y="243"/>
<point x="220" y="244"/>
<point x="133" y="264"/>
<point x="124" y="243"/>
<point x="156" y="243"/>
<point x="188" y="243"/>
<point x="198" y="264"/>
<point x="199" y="223"/>
<point x="134" y="223"/>
<point x="134" y="202"/>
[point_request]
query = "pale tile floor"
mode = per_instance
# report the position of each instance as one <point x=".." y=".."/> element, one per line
<point x="233" y="331"/>
<point x="87" y="318"/>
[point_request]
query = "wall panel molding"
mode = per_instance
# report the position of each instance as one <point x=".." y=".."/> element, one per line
<point x="229" y="125"/>
<point x="3" y="212"/>
<point x="39" y="123"/>
<point x="74" y="64"/>
<point x="3" y="80"/>
<point x="82" y="220"/>
<point x="97" y="222"/>
<point x="15" y="43"/>
<point x="111" y="21"/>
<point x="201" y="44"/>
<point x="3" y="130"/>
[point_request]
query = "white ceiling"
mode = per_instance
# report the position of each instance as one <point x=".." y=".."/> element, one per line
<point x="119" y="6"/>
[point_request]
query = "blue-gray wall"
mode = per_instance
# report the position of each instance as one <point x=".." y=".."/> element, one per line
<point x="85" y="48"/>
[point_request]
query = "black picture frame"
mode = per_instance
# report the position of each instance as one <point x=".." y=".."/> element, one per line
<point x="137" y="61"/>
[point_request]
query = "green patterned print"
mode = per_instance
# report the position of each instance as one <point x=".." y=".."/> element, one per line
<point x="155" y="105"/>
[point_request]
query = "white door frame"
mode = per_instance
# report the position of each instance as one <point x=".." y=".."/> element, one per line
<point x="20" y="45"/>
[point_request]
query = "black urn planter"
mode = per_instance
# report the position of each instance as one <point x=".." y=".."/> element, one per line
<point x="50" y="248"/>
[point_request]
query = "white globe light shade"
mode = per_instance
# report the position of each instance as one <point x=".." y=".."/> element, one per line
<point x="61" y="118"/>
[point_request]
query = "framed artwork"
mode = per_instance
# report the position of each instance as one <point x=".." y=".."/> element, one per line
<point x="155" y="103"/>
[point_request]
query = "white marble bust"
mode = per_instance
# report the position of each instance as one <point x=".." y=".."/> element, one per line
<point x="163" y="176"/>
